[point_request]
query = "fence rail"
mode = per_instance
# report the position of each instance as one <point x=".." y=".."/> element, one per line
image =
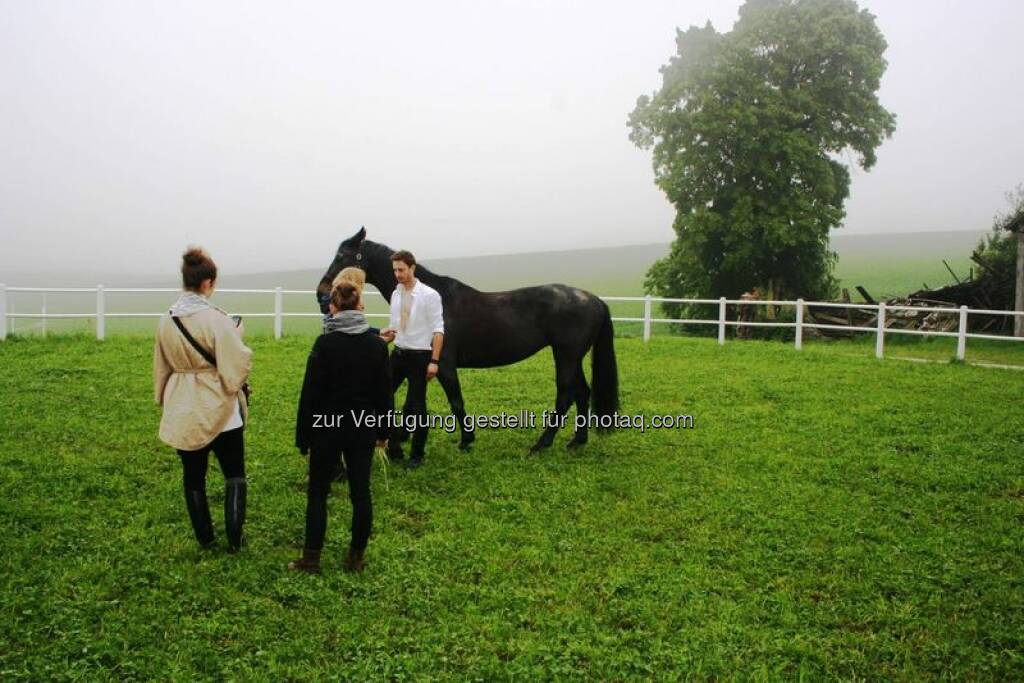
<point x="100" y="314"/>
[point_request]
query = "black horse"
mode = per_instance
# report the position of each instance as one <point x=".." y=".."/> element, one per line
<point x="489" y="329"/>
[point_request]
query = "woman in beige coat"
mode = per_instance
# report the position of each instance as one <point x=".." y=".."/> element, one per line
<point x="204" y="407"/>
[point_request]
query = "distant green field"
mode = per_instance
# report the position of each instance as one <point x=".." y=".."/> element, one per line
<point x="829" y="516"/>
<point x="889" y="277"/>
<point x="896" y="265"/>
<point x="897" y="262"/>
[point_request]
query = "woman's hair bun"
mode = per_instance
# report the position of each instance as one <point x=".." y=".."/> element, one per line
<point x="196" y="266"/>
<point x="194" y="256"/>
<point x="345" y="296"/>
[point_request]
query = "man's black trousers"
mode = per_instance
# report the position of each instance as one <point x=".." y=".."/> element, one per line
<point x="411" y="365"/>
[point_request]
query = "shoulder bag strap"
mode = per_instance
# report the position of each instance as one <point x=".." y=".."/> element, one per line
<point x="202" y="352"/>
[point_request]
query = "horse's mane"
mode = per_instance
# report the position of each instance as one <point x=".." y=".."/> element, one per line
<point x="378" y="252"/>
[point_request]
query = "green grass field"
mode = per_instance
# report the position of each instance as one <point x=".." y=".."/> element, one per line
<point x="829" y="516"/>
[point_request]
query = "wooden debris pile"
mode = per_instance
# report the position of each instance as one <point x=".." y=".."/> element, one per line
<point x="986" y="292"/>
<point x="900" y="318"/>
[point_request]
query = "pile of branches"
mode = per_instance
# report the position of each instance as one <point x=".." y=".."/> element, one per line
<point x="896" y="319"/>
<point x="987" y="286"/>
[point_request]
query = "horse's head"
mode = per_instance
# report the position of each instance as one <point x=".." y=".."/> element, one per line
<point x="349" y="254"/>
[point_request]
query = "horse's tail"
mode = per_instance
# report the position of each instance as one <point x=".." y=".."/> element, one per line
<point x="604" y="398"/>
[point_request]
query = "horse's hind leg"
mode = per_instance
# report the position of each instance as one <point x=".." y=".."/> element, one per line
<point x="566" y="366"/>
<point x="448" y="376"/>
<point x="581" y="393"/>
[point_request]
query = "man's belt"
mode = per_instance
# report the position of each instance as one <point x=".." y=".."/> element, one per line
<point x="400" y="351"/>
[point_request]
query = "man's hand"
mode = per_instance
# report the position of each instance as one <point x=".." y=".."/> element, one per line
<point x="436" y="342"/>
<point x="387" y="335"/>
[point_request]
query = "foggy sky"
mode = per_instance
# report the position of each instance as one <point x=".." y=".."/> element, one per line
<point x="267" y="132"/>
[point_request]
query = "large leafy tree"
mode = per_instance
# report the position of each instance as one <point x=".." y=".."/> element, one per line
<point x="749" y="133"/>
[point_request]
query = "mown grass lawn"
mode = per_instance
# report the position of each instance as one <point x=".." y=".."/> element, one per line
<point x="828" y="516"/>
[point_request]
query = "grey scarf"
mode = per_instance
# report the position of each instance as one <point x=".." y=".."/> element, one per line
<point x="349" y="322"/>
<point x="189" y="303"/>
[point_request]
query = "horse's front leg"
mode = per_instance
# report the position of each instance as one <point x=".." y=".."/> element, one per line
<point x="448" y="376"/>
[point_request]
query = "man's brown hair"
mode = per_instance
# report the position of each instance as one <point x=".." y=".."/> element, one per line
<point x="345" y="296"/>
<point x="196" y="266"/>
<point x="405" y="257"/>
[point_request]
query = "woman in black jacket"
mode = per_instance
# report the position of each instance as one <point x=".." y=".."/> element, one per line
<point x="345" y="407"/>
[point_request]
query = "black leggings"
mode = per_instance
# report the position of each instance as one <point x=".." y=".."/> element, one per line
<point x="323" y="462"/>
<point x="229" y="448"/>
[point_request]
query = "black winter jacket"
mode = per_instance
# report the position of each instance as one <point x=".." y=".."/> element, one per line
<point x="347" y="375"/>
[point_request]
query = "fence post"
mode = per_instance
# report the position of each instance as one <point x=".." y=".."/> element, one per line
<point x="721" y="320"/>
<point x="647" y="318"/>
<point x="3" y="311"/>
<point x="880" y="339"/>
<point x="101" y="311"/>
<point x="1018" y="320"/>
<point x="799" y="324"/>
<point x="278" y="310"/>
<point x="961" y="335"/>
<point x="43" y="311"/>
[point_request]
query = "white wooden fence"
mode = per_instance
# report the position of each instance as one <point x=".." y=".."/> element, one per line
<point x="100" y="314"/>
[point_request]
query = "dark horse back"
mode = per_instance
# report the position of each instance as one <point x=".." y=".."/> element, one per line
<point x="500" y="328"/>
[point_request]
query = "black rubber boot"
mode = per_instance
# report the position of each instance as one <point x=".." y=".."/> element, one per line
<point x="199" y="513"/>
<point x="234" y="512"/>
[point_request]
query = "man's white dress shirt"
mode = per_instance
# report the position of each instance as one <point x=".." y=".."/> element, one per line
<point x="426" y="316"/>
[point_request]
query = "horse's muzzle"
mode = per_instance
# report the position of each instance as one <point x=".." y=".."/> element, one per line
<point x="323" y="300"/>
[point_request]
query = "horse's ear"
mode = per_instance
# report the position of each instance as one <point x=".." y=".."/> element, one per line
<point x="356" y="239"/>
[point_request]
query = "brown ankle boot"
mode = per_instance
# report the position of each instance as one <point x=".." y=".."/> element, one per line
<point x="309" y="562"/>
<point x="354" y="562"/>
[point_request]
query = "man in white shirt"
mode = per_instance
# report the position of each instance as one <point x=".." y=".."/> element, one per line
<point x="417" y="322"/>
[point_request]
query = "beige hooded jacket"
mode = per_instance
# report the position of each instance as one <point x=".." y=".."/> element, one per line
<point x="197" y="398"/>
